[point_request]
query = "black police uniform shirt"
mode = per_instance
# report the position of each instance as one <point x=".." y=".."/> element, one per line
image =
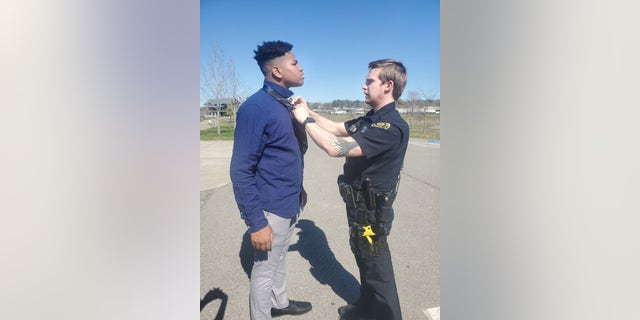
<point x="383" y="137"/>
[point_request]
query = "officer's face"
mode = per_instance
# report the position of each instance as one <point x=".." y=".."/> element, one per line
<point x="287" y="68"/>
<point x="374" y="89"/>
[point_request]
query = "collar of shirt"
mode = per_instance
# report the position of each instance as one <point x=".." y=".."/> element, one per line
<point x="374" y="116"/>
<point x="278" y="88"/>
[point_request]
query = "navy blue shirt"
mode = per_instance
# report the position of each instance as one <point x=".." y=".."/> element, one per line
<point x="383" y="137"/>
<point x="266" y="164"/>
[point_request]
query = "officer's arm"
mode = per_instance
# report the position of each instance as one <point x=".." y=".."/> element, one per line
<point x="333" y="145"/>
<point x="335" y="128"/>
<point x="302" y="111"/>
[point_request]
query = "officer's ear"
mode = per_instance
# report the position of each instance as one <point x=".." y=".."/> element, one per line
<point x="389" y="86"/>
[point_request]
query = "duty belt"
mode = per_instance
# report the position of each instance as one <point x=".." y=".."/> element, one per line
<point x="366" y="199"/>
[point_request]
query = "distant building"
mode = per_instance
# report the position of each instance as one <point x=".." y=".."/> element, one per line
<point x="433" y="109"/>
<point x="429" y="109"/>
<point x="215" y="108"/>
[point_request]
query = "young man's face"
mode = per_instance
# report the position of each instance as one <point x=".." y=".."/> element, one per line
<point x="290" y="71"/>
<point x="374" y="89"/>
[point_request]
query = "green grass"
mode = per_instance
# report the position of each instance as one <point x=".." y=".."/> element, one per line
<point x="421" y="127"/>
<point x="226" y="132"/>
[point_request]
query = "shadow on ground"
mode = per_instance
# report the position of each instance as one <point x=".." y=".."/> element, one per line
<point x="312" y="245"/>
<point x="246" y="254"/>
<point x="212" y="295"/>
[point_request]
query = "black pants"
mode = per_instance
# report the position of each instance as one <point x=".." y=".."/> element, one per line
<point x="378" y="291"/>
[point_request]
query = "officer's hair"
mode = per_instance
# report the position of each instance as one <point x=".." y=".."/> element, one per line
<point x="391" y="70"/>
<point x="268" y="51"/>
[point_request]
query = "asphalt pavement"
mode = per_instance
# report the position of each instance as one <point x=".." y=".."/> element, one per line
<point x="320" y="266"/>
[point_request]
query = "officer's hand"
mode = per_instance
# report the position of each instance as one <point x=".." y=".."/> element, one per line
<point x="300" y="109"/>
<point x="262" y="239"/>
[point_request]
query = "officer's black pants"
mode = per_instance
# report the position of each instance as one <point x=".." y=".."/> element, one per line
<point x="378" y="292"/>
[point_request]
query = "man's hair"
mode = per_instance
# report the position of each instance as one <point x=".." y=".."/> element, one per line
<point x="391" y="70"/>
<point x="268" y="51"/>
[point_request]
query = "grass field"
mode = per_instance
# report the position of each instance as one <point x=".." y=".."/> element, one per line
<point x="226" y="131"/>
<point x="422" y="126"/>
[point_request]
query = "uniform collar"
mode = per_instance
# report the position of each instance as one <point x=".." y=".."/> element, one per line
<point x="386" y="109"/>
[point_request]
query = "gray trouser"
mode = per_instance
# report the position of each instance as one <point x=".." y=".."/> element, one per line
<point x="268" y="276"/>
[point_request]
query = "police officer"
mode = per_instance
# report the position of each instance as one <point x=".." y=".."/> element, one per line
<point x="374" y="146"/>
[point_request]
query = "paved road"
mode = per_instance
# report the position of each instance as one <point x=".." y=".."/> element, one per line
<point x="321" y="268"/>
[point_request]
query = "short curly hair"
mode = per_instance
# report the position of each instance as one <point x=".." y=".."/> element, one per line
<point x="270" y="50"/>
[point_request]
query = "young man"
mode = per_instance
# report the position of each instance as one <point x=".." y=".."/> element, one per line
<point x="374" y="146"/>
<point x="266" y="172"/>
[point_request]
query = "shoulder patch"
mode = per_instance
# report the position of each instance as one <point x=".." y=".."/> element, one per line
<point x="381" y="125"/>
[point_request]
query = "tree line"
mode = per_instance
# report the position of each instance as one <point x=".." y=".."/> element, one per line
<point x="219" y="80"/>
<point x="341" y="104"/>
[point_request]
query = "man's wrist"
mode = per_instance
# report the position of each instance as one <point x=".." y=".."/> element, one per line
<point x="308" y="120"/>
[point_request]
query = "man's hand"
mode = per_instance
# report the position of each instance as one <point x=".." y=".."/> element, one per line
<point x="300" y="109"/>
<point x="262" y="239"/>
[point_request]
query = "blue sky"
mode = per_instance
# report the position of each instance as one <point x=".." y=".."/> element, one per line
<point x="334" y="40"/>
